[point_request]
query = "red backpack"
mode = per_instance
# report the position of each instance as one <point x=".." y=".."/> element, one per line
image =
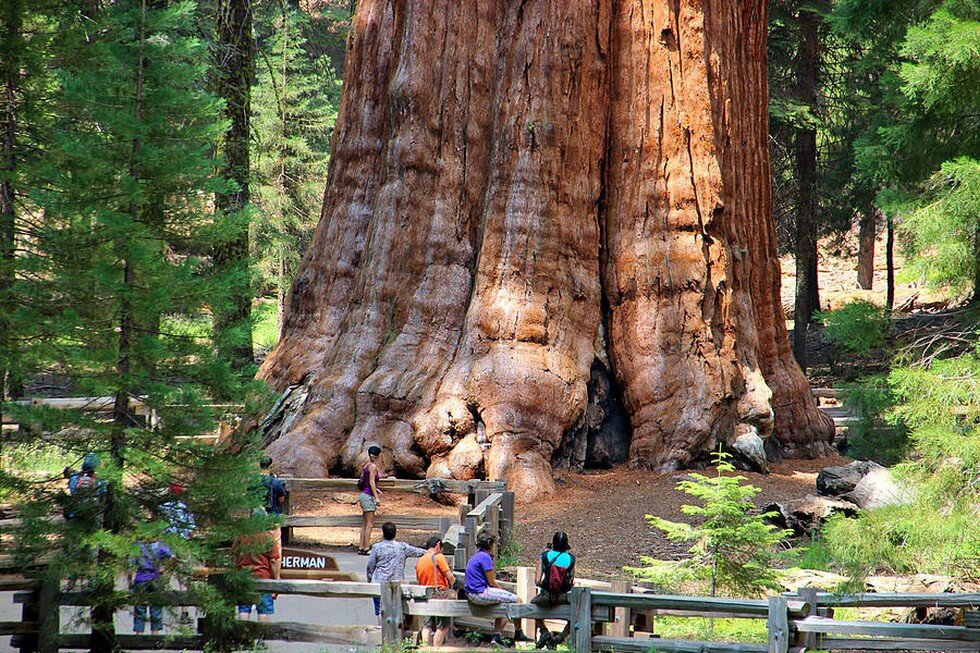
<point x="557" y="578"/>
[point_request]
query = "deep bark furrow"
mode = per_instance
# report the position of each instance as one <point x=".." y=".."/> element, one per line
<point x="499" y="223"/>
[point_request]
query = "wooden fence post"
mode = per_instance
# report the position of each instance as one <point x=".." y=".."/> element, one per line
<point x="392" y="614"/>
<point x="460" y="555"/>
<point x="809" y="595"/>
<point x="506" y="517"/>
<point x="620" y="627"/>
<point x="493" y="522"/>
<point x="778" y="623"/>
<point x="471" y="530"/>
<point x="526" y="590"/>
<point x="49" y="614"/>
<point x="581" y="599"/>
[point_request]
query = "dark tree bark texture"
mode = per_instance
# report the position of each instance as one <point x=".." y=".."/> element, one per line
<point x="11" y="43"/>
<point x="805" y="162"/>
<point x="234" y="61"/>
<point x="532" y="207"/>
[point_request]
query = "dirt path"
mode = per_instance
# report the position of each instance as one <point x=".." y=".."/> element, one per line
<point x="601" y="511"/>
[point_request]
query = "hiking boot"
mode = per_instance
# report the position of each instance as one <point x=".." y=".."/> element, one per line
<point x="543" y="640"/>
<point x="519" y="636"/>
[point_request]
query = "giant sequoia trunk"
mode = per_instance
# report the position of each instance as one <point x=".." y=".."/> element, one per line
<point x="530" y="203"/>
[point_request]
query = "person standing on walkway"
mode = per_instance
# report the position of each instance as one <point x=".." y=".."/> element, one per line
<point x="482" y="588"/>
<point x="261" y="553"/>
<point x="180" y="523"/>
<point x="148" y="581"/>
<point x="433" y="570"/>
<point x="387" y="559"/>
<point x="274" y="490"/>
<point x="369" y="498"/>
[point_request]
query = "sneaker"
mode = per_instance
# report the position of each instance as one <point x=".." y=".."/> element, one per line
<point x="497" y="642"/>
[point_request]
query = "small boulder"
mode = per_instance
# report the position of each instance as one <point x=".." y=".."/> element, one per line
<point x="749" y="450"/>
<point x="837" y="481"/>
<point x="813" y="511"/>
<point x="808" y="515"/>
<point x="878" y="489"/>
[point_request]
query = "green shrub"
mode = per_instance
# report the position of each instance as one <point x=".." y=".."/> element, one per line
<point x="857" y="327"/>
<point x="734" y="548"/>
<point x="877" y="435"/>
<point x="939" y="403"/>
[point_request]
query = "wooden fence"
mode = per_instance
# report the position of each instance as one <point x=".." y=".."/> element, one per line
<point x="489" y="506"/>
<point x="599" y="619"/>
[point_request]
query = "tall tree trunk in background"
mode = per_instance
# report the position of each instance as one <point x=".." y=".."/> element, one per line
<point x="976" y="263"/>
<point x="889" y="263"/>
<point x="866" y="249"/>
<point x="805" y="155"/>
<point x="521" y="194"/>
<point x="10" y="46"/>
<point x="234" y="59"/>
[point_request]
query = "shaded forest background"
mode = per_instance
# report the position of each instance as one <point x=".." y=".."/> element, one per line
<point x="873" y="130"/>
<point x="163" y="164"/>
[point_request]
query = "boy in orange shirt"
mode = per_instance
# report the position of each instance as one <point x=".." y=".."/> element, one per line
<point x="262" y="554"/>
<point x="433" y="570"/>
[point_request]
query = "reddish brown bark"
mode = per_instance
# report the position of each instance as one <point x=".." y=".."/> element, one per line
<point x="866" y="249"/>
<point x="520" y="192"/>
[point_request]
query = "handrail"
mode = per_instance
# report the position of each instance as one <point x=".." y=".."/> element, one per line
<point x="480" y="511"/>
<point x="895" y="600"/>
<point x="747" y="607"/>
<point x="337" y="589"/>
<point x="451" y="486"/>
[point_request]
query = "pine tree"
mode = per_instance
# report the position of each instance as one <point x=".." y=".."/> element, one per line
<point x="294" y="108"/>
<point x="734" y="547"/>
<point x="121" y="292"/>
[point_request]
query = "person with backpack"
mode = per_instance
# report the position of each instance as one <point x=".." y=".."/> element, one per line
<point x="180" y="523"/>
<point x="85" y="493"/>
<point x="433" y="570"/>
<point x="481" y="588"/>
<point x="555" y="582"/>
<point x="261" y="554"/>
<point x="369" y="499"/>
<point x="146" y="580"/>
<point x="275" y="491"/>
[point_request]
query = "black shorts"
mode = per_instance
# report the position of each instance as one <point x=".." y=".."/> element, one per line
<point x="436" y="623"/>
<point x="547" y="599"/>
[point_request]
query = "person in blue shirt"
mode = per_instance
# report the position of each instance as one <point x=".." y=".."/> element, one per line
<point x="180" y="522"/>
<point x="148" y="579"/>
<point x="275" y="491"/>
<point x="481" y="588"/>
<point x="555" y="582"/>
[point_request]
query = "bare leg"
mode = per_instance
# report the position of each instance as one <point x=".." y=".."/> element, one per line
<point x="440" y="637"/>
<point x="366" y="529"/>
<point x="498" y="625"/>
<point x="426" y="637"/>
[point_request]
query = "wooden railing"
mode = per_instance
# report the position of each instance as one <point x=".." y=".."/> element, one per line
<point x="600" y="619"/>
<point x="495" y="513"/>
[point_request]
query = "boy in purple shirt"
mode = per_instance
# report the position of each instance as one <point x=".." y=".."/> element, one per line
<point x="147" y="579"/>
<point x="482" y="589"/>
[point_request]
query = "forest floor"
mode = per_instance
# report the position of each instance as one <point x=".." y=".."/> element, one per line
<point x="602" y="511"/>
